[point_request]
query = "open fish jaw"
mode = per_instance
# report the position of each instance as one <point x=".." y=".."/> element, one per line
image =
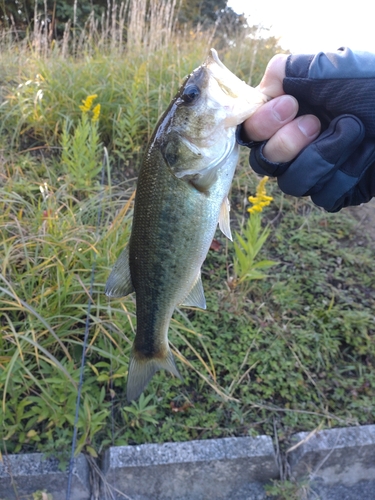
<point x="242" y="100"/>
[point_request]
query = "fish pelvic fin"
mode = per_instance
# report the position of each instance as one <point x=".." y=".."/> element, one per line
<point x="196" y="298"/>
<point x="142" y="369"/>
<point x="224" y="219"/>
<point x="119" y="283"/>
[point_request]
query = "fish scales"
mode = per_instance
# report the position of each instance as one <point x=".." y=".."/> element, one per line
<point x="172" y="254"/>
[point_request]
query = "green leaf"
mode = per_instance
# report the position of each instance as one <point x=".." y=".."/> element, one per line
<point x="90" y="450"/>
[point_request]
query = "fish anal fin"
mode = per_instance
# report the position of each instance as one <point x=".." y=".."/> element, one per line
<point x="142" y="369"/>
<point x="224" y="219"/>
<point x="119" y="283"/>
<point x="195" y="297"/>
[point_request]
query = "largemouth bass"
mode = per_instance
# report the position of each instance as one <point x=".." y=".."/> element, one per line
<point x="181" y="197"/>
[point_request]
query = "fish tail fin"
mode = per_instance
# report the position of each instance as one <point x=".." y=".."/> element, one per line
<point x="142" y="369"/>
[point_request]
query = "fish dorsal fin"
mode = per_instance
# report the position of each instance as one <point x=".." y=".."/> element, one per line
<point x="119" y="283"/>
<point x="224" y="219"/>
<point x="196" y="298"/>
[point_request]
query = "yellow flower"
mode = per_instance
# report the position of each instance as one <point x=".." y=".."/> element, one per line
<point x="96" y="113"/>
<point x="140" y="75"/>
<point x="260" y="200"/>
<point x="87" y="103"/>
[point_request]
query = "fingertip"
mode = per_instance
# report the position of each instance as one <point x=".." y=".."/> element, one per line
<point x="289" y="141"/>
<point x="270" y="117"/>
<point x="284" y="108"/>
<point x="309" y="125"/>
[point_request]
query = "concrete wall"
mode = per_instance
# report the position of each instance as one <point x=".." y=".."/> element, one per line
<point x="25" y="474"/>
<point x="336" y="464"/>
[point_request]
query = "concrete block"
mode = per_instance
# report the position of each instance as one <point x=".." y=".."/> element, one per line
<point x="22" y="475"/>
<point x="338" y="463"/>
<point x="363" y="490"/>
<point x="229" y="468"/>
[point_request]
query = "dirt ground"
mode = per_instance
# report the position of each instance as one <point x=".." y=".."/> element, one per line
<point x="365" y="215"/>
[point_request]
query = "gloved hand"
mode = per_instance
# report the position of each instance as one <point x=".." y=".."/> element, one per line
<point x="338" y="168"/>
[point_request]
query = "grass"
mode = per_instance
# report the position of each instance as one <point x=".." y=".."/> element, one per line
<point x="292" y="351"/>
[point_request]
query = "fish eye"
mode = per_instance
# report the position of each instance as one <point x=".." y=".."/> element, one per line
<point x="190" y="94"/>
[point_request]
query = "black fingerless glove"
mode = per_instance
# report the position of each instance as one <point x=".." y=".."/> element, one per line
<point x="338" y="168"/>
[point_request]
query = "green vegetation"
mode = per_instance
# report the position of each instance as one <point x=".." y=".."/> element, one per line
<point x="292" y="351"/>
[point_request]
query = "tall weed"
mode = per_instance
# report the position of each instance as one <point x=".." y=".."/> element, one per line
<point x="47" y="243"/>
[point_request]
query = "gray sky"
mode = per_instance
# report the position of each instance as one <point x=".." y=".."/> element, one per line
<point x="313" y="26"/>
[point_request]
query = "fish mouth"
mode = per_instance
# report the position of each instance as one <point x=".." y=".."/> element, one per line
<point x="238" y="98"/>
<point x="226" y="80"/>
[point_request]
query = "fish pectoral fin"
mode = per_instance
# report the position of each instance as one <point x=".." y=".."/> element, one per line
<point x="119" y="283"/>
<point x="224" y="219"/>
<point x="142" y="369"/>
<point x="203" y="182"/>
<point x="206" y="177"/>
<point x="196" y="298"/>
